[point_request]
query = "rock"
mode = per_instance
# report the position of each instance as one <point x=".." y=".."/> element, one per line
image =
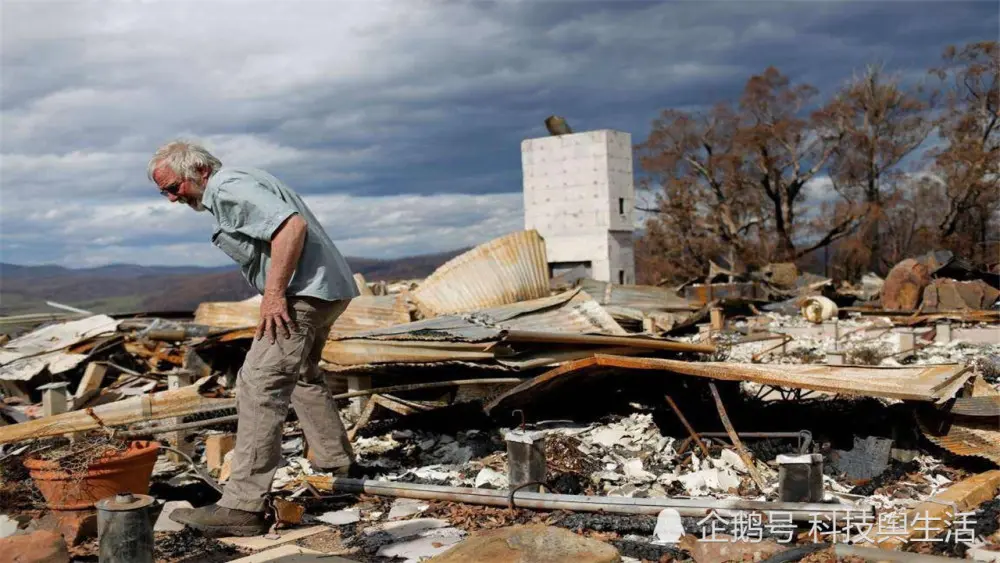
<point x="904" y="286"/>
<point x="163" y="521"/>
<point x="75" y="526"/>
<point x="43" y="546"/>
<point x="781" y="274"/>
<point x="983" y="554"/>
<point x="519" y="544"/>
<point x="725" y="549"/>
<point x="951" y="295"/>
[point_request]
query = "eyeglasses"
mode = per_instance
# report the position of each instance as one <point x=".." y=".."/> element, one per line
<point x="172" y="189"/>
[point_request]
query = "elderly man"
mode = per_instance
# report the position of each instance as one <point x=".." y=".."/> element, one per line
<point x="305" y="285"/>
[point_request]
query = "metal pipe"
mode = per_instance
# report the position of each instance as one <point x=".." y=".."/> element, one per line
<point x="68" y="308"/>
<point x="198" y="471"/>
<point x="747" y="460"/>
<point x="800" y="512"/>
<point x="632" y="342"/>
<point x="690" y="429"/>
<point x="154" y="430"/>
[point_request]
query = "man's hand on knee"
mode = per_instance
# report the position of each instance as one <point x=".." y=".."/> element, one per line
<point x="274" y="314"/>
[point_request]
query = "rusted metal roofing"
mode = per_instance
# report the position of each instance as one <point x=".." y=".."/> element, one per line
<point x="365" y="312"/>
<point x="964" y="436"/>
<point x="505" y="270"/>
<point x="919" y="383"/>
<point x="967" y="425"/>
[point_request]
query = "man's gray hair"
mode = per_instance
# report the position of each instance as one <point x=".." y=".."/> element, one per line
<point x="184" y="158"/>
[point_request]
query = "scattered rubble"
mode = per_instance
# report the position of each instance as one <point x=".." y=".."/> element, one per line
<point x="659" y="414"/>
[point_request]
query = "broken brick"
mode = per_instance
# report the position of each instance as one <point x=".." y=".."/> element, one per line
<point x="42" y="546"/>
<point x="76" y="526"/>
<point x="216" y="448"/>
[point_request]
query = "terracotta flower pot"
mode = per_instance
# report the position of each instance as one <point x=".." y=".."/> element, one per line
<point x="127" y="471"/>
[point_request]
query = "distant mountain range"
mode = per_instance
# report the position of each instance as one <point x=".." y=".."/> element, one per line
<point x="129" y="288"/>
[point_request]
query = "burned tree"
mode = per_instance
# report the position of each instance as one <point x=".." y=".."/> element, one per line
<point x="967" y="166"/>
<point x="879" y="125"/>
<point x="734" y="179"/>
<point x="695" y="167"/>
<point x="785" y="150"/>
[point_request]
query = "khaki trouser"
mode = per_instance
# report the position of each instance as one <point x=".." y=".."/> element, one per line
<point x="271" y="376"/>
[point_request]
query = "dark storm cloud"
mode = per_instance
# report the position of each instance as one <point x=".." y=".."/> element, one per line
<point x="408" y="110"/>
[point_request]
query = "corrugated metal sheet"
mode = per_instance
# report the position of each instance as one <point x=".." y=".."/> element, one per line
<point x="642" y="297"/>
<point x="965" y="438"/>
<point x="466" y="337"/>
<point x="919" y="383"/>
<point x="368" y="311"/>
<point x="365" y="312"/>
<point x="580" y="314"/>
<point x="967" y="425"/>
<point x="572" y="311"/>
<point x="451" y="328"/>
<point x="505" y="270"/>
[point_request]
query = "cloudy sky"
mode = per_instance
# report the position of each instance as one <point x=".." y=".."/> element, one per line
<point x="400" y="122"/>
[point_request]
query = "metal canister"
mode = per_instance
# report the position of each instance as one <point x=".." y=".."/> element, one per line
<point x="124" y="529"/>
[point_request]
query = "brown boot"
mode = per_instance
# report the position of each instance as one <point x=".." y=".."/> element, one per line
<point x="217" y="521"/>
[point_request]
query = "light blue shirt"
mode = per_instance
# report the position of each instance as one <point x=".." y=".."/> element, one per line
<point x="249" y="205"/>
